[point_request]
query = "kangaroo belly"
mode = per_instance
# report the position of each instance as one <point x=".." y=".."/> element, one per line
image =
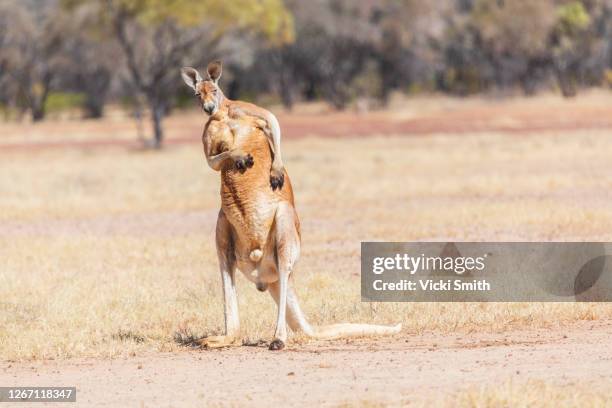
<point x="247" y="198"/>
<point x="252" y="219"/>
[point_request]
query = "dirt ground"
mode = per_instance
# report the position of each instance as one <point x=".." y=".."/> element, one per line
<point x="108" y="258"/>
<point x="406" y="370"/>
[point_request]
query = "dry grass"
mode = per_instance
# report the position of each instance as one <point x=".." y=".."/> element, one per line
<point x="531" y="394"/>
<point x="110" y="252"/>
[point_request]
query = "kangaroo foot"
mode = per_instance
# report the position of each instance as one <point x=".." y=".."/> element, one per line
<point x="218" y="341"/>
<point x="276" y="345"/>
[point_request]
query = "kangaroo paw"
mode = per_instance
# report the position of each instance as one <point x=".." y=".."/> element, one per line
<point x="277" y="179"/>
<point x="244" y="162"/>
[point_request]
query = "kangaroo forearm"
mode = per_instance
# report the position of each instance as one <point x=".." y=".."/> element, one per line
<point x="274" y="138"/>
<point x="271" y="129"/>
<point x="215" y="162"/>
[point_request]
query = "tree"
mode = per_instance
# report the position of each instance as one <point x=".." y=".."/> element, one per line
<point x="403" y="47"/>
<point x="157" y="37"/>
<point x="514" y="36"/>
<point x="93" y="78"/>
<point x="572" y="41"/>
<point x="521" y="42"/>
<point x="94" y="60"/>
<point x="5" y="94"/>
<point x="500" y="44"/>
<point x="330" y="49"/>
<point x="32" y="51"/>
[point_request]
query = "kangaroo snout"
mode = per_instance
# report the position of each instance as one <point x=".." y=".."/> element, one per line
<point x="209" y="108"/>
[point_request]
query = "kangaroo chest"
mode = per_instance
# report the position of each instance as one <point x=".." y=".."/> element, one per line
<point x="246" y="196"/>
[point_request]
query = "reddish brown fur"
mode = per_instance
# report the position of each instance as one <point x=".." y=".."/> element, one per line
<point x="244" y="192"/>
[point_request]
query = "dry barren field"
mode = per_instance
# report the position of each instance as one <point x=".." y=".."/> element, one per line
<point x="108" y="269"/>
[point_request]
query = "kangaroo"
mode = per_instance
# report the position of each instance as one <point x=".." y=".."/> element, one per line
<point x="212" y="99"/>
<point x="258" y="230"/>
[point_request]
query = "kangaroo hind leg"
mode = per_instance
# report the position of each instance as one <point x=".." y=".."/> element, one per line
<point x="287" y="243"/>
<point x="227" y="267"/>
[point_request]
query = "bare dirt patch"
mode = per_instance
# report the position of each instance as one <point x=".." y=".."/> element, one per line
<point x="408" y="117"/>
<point x="413" y="369"/>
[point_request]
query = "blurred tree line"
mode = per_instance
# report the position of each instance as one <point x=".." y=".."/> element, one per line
<point x="89" y="52"/>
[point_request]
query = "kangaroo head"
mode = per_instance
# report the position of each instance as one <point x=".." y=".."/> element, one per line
<point x="206" y="90"/>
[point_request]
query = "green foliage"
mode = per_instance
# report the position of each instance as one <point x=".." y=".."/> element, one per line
<point x="573" y="18"/>
<point x="62" y="101"/>
<point x="367" y="83"/>
<point x="184" y="100"/>
<point x="129" y="102"/>
<point x="608" y="78"/>
<point x="465" y="81"/>
<point x="269" y="18"/>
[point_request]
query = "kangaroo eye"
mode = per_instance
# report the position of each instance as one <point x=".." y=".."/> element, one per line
<point x="198" y="94"/>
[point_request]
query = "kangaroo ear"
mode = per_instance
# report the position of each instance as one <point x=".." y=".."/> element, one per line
<point x="214" y="70"/>
<point x="191" y="76"/>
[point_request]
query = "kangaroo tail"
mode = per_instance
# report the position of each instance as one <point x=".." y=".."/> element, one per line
<point x="344" y="330"/>
<point x="298" y="322"/>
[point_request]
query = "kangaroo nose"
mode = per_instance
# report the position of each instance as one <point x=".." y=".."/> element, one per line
<point x="209" y="107"/>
